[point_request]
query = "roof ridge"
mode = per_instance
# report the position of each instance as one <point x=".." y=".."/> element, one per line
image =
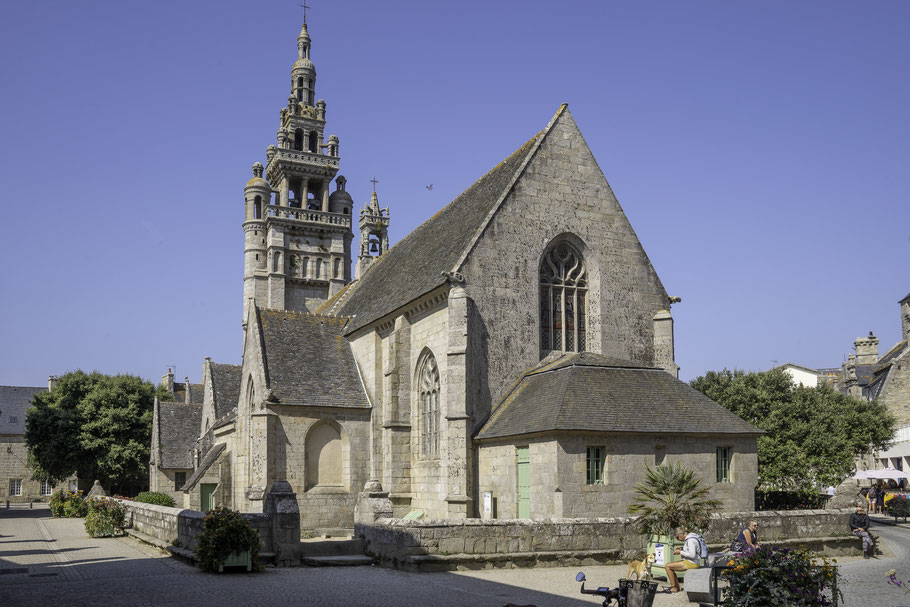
<point x="537" y="141"/>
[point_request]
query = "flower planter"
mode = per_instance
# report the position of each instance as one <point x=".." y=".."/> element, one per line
<point x="237" y="559"/>
<point x="663" y="546"/>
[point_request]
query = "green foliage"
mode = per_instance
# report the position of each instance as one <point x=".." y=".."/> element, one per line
<point x="225" y="531"/>
<point x="779" y="577"/>
<point x="105" y="517"/>
<point x="813" y="434"/>
<point x="98" y="426"/>
<point x="670" y="497"/>
<point x="155" y="497"/>
<point x="68" y="504"/>
<point x="898" y="507"/>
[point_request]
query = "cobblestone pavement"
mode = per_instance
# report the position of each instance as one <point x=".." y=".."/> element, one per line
<point x="51" y="561"/>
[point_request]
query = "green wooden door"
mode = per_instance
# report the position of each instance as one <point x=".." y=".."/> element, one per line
<point x="523" y="463"/>
<point x="208" y="496"/>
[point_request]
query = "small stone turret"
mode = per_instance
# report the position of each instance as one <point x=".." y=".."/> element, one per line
<point x="374" y="235"/>
<point x="866" y="349"/>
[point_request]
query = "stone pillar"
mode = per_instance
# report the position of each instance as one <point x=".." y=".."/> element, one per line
<point x="304" y="192"/>
<point x="325" y="196"/>
<point x="283" y="190"/>
<point x="262" y="431"/>
<point x="396" y="426"/>
<point x="372" y="504"/>
<point x="664" y="355"/>
<point x="459" y="451"/>
<point x="905" y="317"/>
<point x="281" y="506"/>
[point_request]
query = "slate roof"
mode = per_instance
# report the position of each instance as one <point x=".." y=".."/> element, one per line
<point x="594" y="393"/>
<point x="178" y="427"/>
<point x="196" y="392"/>
<point x="14" y="400"/>
<point x="864" y="374"/>
<point x="204" y="464"/>
<point x="225" y="388"/>
<point x="414" y="266"/>
<point x="308" y="361"/>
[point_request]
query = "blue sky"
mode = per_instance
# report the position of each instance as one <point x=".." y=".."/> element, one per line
<point x="760" y="150"/>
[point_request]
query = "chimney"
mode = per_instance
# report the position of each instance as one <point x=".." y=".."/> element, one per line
<point x="186" y="392"/>
<point x="51" y="382"/>
<point x="866" y="349"/>
<point x="905" y="317"/>
<point x="168" y="380"/>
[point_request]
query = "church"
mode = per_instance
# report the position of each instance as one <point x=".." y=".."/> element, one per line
<point x="512" y="357"/>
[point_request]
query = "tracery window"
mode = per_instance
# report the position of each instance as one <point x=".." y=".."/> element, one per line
<point x="429" y="406"/>
<point x="563" y="299"/>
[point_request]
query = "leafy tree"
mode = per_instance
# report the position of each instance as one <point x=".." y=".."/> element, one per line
<point x="671" y="496"/>
<point x="813" y="434"/>
<point x="98" y="426"/>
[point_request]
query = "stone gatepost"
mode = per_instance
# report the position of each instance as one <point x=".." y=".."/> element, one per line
<point x="96" y="491"/>
<point x="373" y="503"/>
<point x="281" y="506"/>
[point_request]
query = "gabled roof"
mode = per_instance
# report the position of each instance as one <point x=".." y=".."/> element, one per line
<point x="308" y="361"/>
<point x="414" y="266"/>
<point x="14" y="400"/>
<point x="800" y="367"/>
<point x="178" y="427"/>
<point x="225" y="387"/>
<point x="593" y="393"/>
<point x="204" y="464"/>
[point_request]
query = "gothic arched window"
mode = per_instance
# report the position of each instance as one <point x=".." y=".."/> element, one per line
<point x="428" y="387"/>
<point x="563" y="299"/>
<point x="298" y="140"/>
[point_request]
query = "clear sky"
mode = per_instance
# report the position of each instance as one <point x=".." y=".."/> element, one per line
<point x="760" y="149"/>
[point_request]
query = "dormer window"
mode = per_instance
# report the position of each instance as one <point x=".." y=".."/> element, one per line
<point x="563" y="299"/>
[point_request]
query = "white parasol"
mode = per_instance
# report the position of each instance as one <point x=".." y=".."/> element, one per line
<point x="887" y="473"/>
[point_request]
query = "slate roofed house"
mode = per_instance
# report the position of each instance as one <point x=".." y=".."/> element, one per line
<point x="16" y="482"/>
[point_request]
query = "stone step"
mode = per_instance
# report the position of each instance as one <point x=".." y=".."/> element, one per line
<point x="331" y="547"/>
<point x="337" y="561"/>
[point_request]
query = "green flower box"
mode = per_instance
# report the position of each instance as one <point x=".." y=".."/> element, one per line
<point x="237" y="559"/>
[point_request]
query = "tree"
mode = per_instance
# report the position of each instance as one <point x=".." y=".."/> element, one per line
<point x="671" y="496"/>
<point x="97" y="426"/>
<point x="813" y="434"/>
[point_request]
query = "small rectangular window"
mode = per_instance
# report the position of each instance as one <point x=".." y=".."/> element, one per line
<point x="13" y="419"/>
<point x="595" y="461"/>
<point x="15" y="486"/>
<point x="724" y="457"/>
<point x="45" y="488"/>
<point x="179" y="480"/>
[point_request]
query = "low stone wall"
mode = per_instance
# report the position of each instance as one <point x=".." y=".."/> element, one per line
<point x="278" y="527"/>
<point x="433" y="544"/>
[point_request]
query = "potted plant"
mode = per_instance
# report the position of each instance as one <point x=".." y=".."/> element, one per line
<point x="670" y="497"/>
<point x="227" y="540"/>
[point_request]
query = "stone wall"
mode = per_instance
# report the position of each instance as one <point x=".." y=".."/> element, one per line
<point x="895" y="393"/>
<point x="404" y="544"/>
<point x="278" y="526"/>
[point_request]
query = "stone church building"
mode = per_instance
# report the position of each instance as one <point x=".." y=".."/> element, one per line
<point x="511" y="357"/>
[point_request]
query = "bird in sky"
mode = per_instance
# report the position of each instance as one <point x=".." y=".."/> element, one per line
<point x="430" y="187"/>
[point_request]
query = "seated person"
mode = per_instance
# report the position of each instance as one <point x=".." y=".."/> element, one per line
<point x="691" y="552"/>
<point x="747" y="538"/>
<point x="859" y="526"/>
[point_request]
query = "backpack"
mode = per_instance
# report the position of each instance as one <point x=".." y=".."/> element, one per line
<point x="702" y="547"/>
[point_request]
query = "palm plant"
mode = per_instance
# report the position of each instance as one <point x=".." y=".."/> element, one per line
<point x="671" y="496"/>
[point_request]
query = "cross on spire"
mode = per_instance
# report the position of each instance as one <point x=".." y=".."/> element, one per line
<point x="374" y="181"/>
<point x="304" y="6"/>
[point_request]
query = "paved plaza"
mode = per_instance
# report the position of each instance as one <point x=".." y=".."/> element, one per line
<point x="45" y="560"/>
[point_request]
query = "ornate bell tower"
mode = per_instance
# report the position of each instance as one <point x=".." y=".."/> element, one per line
<point x="298" y="237"/>
<point x="374" y="235"/>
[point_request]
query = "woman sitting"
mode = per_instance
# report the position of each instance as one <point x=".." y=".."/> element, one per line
<point x="747" y="538"/>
